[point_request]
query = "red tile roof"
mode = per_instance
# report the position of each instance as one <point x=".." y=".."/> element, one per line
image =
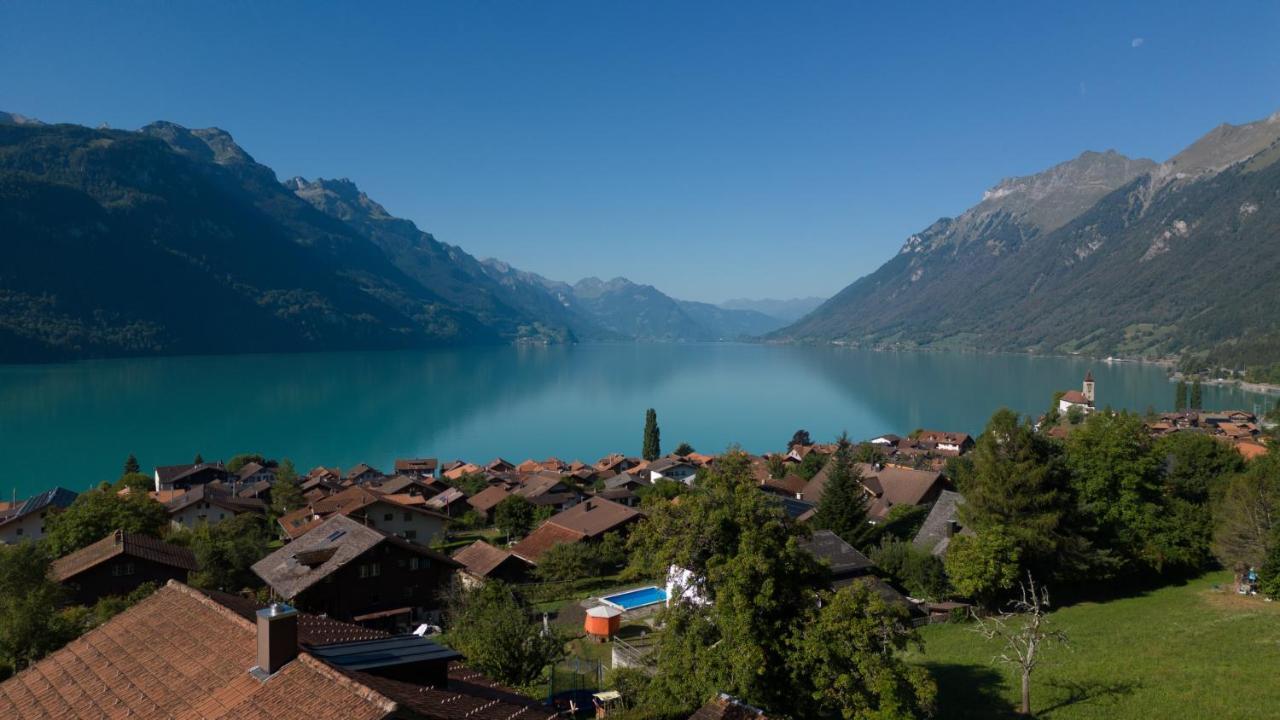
<point x="480" y="558"/>
<point x="546" y="536"/>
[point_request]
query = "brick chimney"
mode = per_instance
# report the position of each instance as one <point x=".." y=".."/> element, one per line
<point x="277" y="639"/>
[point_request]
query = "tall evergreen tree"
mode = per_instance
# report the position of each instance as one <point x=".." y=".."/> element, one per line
<point x="843" y="507"/>
<point x="131" y="465"/>
<point x="286" y="492"/>
<point x="652" y="449"/>
<point x="1197" y="398"/>
<point x="1180" y="396"/>
<point x="198" y="459"/>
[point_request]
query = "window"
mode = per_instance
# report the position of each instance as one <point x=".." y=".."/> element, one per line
<point x="388" y="516"/>
<point x="128" y="568"/>
<point x="407" y="516"/>
<point x="413" y="563"/>
<point x="410" y="534"/>
<point x="370" y="570"/>
<point x="19" y="531"/>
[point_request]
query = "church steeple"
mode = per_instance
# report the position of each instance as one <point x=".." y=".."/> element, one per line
<point x="1087" y="390"/>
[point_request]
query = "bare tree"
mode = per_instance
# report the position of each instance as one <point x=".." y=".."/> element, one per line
<point x="1024" y="630"/>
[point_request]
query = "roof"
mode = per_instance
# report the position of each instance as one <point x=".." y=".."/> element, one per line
<point x="348" y="501"/>
<point x="58" y="497"/>
<point x="1075" y="397"/>
<point x="727" y="707"/>
<point x="446" y="498"/>
<point x="416" y="465"/>
<point x="172" y="473"/>
<point x="361" y="469"/>
<point x="542" y="539"/>
<point x="661" y="465"/>
<point x="325" y="549"/>
<point x="384" y="652"/>
<point x="842" y="558"/>
<point x="532" y="486"/>
<point x="115" y="671"/>
<point x="119" y="543"/>
<point x="937" y="525"/>
<point x="214" y="496"/>
<point x="480" y="558"/>
<point x="943" y="436"/>
<point x="488" y="498"/>
<point x="249" y="469"/>
<point x="595" y="517"/>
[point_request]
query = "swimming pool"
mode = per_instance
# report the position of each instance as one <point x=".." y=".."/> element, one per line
<point x="632" y="599"/>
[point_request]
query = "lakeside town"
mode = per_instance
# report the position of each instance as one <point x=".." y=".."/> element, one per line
<point x="552" y="588"/>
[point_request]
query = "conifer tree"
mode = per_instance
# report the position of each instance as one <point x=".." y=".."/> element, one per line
<point x="1180" y="396"/>
<point x="843" y="507"/>
<point x="652" y="448"/>
<point x="1197" y="398"/>
<point x="131" y="465"/>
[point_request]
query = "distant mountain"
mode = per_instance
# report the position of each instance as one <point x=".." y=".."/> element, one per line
<point x="1100" y="255"/>
<point x="170" y="240"/>
<point x="786" y="310"/>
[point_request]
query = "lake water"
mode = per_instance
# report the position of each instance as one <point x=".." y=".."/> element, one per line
<point x="74" y="424"/>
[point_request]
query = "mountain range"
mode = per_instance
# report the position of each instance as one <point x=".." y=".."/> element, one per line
<point x="169" y="240"/>
<point x="1099" y="255"/>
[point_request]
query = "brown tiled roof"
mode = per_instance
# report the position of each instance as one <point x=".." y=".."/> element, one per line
<point x="726" y="707"/>
<point x="546" y="536"/>
<point x="1075" y="397"/>
<point x="595" y="517"/>
<point x="346" y="502"/>
<point x="122" y="543"/>
<point x="416" y="465"/>
<point x="531" y="486"/>
<point x="218" y="497"/>
<point x="462" y="471"/>
<point x="480" y="558"/>
<point x="488" y="498"/>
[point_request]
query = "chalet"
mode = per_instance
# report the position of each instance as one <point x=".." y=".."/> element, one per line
<point x="482" y="561"/>
<point x="260" y="490"/>
<point x="370" y="508"/>
<point x="353" y="572"/>
<point x="249" y="663"/>
<point x="118" y="564"/>
<point x="886" y="440"/>
<point x="460" y="471"/>
<point x="845" y="562"/>
<point x="546" y="490"/>
<point x="184" y="477"/>
<point x="411" y="485"/>
<point x="615" y="464"/>
<point x="886" y="485"/>
<point x="252" y="473"/>
<point x="451" y="503"/>
<point x="421" y="468"/>
<point x="498" y="465"/>
<point x="486" y="500"/>
<point x="363" y="474"/>
<point x="588" y="521"/>
<point x="945" y="443"/>
<point x="942" y="523"/>
<point x="208" y="505"/>
<point x="25" y="520"/>
<point x="672" y="468"/>
<point x="791" y="486"/>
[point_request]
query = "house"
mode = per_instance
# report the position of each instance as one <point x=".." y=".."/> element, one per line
<point x="486" y="500"/>
<point x="413" y="485"/>
<point x="546" y="489"/>
<point x="363" y="474"/>
<point x="672" y="468"/>
<point x="845" y="562"/>
<point x="886" y="440"/>
<point x="727" y="707"/>
<point x="791" y="486"/>
<point x="945" y="443"/>
<point x="350" y="571"/>
<point x="1082" y="399"/>
<point x="184" y="477"/>
<point x="482" y="561"/>
<point x="208" y="505"/>
<point x="498" y="465"/>
<point x="886" y="485"/>
<point x="460" y="471"/>
<point x="450" y="503"/>
<point x="421" y="468"/>
<point x="213" y="655"/>
<point x="587" y="521"/>
<point x="26" y="519"/>
<point x="371" y="508"/>
<point x="117" y="564"/>
<point x="942" y="523"/>
<point x="252" y="473"/>
<point x="260" y="490"/>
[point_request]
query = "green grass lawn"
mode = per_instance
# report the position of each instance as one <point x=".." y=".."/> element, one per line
<point x="1187" y="651"/>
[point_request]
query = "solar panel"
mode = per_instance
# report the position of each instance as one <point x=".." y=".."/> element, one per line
<point x="335" y="535"/>
<point x="384" y="652"/>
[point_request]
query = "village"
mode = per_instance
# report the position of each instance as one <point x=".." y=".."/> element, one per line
<point x="357" y="567"/>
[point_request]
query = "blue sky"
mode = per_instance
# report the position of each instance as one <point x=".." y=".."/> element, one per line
<point x="714" y="150"/>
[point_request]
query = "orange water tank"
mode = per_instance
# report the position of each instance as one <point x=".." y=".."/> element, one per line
<point x="602" y="621"/>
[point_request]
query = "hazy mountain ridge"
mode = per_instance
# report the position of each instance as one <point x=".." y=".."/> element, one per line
<point x="1143" y="269"/>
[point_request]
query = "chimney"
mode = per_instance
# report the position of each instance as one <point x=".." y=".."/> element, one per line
<point x="277" y="639"/>
<point x="587" y="506"/>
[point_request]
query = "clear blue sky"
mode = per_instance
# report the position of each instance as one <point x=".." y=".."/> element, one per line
<point x="711" y="149"/>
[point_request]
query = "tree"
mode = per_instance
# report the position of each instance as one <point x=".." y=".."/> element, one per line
<point x="198" y="460"/>
<point x="684" y="449"/>
<point x="1180" y="396"/>
<point x="499" y="635"/>
<point x="1024" y="642"/>
<point x="239" y="461"/>
<point x="226" y="552"/>
<point x="1269" y="573"/>
<point x="97" y="513"/>
<point x="1197" y="398"/>
<point x="777" y="466"/>
<point x="567" y="561"/>
<point x="865" y="452"/>
<point x="131" y="465"/>
<point x="921" y="573"/>
<point x="843" y="506"/>
<point x="800" y="437"/>
<point x="286" y="492"/>
<point x="811" y="465"/>
<point x="29" y="627"/>
<point x="1017" y="482"/>
<point x="514" y="516"/>
<point x="471" y="484"/>
<point x="851" y="653"/>
<point x="1247" y="515"/>
<point x="135" y="483"/>
<point x="983" y="566"/>
<point x="652" y="449"/>
<point x="1075" y="415"/>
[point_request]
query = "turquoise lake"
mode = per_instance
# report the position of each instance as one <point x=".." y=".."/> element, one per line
<point x="74" y="424"/>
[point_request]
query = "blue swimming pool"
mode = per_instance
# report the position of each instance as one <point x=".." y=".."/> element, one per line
<point x="632" y="599"/>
